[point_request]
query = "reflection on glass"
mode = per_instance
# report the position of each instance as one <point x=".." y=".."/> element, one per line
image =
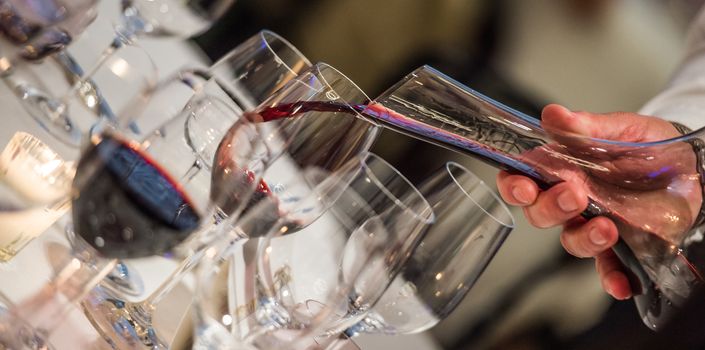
<point x="34" y="187"/>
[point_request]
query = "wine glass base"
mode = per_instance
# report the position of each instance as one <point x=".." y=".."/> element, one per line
<point x="117" y="323"/>
<point x="123" y="280"/>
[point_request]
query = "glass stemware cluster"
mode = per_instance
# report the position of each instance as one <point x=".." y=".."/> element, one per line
<point x="240" y="172"/>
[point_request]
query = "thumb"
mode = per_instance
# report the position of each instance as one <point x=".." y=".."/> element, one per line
<point x="558" y="119"/>
<point x="612" y="126"/>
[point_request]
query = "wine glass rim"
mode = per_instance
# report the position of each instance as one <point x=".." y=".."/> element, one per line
<point x="489" y="190"/>
<point x="336" y="71"/>
<point x="265" y="35"/>
<point x="428" y="219"/>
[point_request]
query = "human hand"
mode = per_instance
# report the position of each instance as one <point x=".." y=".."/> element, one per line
<point x="637" y="182"/>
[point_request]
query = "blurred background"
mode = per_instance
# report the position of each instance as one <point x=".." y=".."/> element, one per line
<point x="595" y="55"/>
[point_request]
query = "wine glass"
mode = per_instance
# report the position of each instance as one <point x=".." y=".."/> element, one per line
<point x="127" y="77"/>
<point x="161" y="18"/>
<point x="282" y="143"/>
<point x="127" y="202"/>
<point x="146" y="113"/>
<point x="471" y="224"/>
<point x="349" y="220"/>
<point x="248" y="74"/>
<point x="650" y="186"/>
<point x="38" y="29"/>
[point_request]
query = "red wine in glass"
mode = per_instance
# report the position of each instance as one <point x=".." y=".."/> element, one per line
<point x="128" y="206"/>
<point x="42" y="27"/>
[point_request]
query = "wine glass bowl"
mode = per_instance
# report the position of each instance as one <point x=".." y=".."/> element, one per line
<point x="471" y="224"/>
<point x="69" y="111"/>
<point x="168" y="208"/>
<point x="257" y="68"/>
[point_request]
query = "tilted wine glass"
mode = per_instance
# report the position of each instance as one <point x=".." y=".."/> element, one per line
<point x="127" y="202"/>
<point x="471" y="225"/>
<point x="651" y="188"/>
<point x="284" y="141"/>
<point x="350" y="219"/>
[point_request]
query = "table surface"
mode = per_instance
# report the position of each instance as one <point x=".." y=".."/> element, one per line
<point x="35" y="264"/>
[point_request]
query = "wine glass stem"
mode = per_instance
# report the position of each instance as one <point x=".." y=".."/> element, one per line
<point x="174" y="279"/>
<point x="83" y="78"/>
<point x="141" y="313"/>
<point x="193" y="170"/>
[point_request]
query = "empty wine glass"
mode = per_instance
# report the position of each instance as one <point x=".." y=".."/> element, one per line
<point x="127" y="77"/>
<point x="257" y="68"/>
<point x="161" y="18"/>
<point x="471" y="224"/>
<point x="356" y="216"/>
<point x="127" y="202"/>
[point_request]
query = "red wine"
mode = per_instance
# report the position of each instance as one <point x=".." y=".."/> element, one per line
<point x="13" y="26"/>
<point x="43" y="27"/>
<point x="658" y="260"/>
<point x="128" y="207"/>
<point x="231" y="181"/>
<point x="47" y="43"/>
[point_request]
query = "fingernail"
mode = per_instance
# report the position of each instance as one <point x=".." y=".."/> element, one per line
<point x="566" y="201"/>
<point x="596" y="237"/>
<point x="520" y="196"/>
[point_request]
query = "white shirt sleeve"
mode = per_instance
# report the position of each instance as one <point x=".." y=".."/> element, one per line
<point x="683" y="100"/>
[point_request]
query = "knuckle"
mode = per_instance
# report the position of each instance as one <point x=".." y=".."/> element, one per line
<point x="536" y="217"/>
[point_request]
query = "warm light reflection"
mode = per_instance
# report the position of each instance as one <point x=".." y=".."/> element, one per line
<point x="227" y="320"/>
<point x="119" y="67"/>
